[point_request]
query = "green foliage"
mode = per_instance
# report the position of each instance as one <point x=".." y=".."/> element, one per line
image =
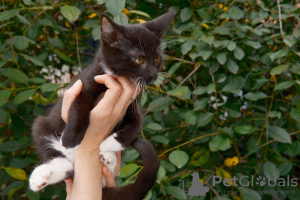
<point x="230" y="89"/>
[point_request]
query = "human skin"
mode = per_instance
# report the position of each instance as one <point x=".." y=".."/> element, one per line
<point x="88" y="167"/>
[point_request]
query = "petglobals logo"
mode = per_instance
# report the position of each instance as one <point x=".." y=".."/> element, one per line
<point x="250" y="181"/>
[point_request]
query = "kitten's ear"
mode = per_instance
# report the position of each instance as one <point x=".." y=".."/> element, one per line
<point x="110" y="31"/>
<point x="160" y="24"/>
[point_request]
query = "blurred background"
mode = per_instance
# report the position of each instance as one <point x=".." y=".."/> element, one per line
<point x="226" y="102"/>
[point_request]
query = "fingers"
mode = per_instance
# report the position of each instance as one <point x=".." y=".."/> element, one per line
<point x="69" y="184"/>
<point x="109" y="178"/>
<point x="111" y="95"/>
<point x="118" y="167"/>
<point x="129" y="93"/>
<point x="69" y="97"/>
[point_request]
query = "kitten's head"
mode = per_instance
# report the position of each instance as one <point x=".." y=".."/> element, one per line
<point x="134" y="50"/>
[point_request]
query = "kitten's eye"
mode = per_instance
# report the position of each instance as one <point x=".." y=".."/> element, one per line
<point x="157" y="59"/>
<point x="138" y="60"/>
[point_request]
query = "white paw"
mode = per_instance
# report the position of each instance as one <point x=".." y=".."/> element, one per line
<point x="109" y="159"/>
<point x="111" y="144"/>
<point x="40" y="177"/>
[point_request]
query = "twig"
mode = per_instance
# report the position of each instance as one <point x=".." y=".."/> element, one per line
<point x="297" y="26"/>
<point x="183" y="81"/>
<point x="181" y="60"/>
<point x="214" y="191"/>
<point x="192" y="140"/>
<point x="280" y="22"/>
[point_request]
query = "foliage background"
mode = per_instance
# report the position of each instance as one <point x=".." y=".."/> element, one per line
<point x="243" y="53"/>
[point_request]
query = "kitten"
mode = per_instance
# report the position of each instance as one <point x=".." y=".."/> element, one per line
<point x="132" y="51"/>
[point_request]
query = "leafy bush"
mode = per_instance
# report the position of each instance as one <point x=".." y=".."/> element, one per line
<point x="227" y="103"/>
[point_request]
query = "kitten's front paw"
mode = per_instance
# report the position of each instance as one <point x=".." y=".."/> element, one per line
<point x="109" y="159"/>
<point x="39" y="178"/>
<point x="111" y="144"/>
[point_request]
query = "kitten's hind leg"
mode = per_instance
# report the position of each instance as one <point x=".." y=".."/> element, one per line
<point x="51" y="172"/>
<point x="111" y="144"/>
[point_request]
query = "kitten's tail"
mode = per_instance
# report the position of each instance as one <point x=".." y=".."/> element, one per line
<point x="145" y="179"/>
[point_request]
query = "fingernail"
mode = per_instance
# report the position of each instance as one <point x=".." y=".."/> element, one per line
<point x="77" y="83"/>
<point x="97" y="76"/>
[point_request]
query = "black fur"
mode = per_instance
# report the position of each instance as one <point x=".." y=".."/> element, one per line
<point x="120" y="45"/>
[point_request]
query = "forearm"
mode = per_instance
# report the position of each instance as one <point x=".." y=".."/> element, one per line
<point x="87" y="183"/>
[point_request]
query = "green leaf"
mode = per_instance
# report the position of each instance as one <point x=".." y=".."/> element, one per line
<point x="178" y="158"/>
<point x="121" y="19"/>
<point x="279" y="134"/>
<point x="244" y="130"/>
<point x="36" y="80"/>
<point x="238" y="53"/>
<point x="8" y="14"/>
<point x="232" y="66"/>
<point x="254" y="44"/>
<point x="295" y="114"/>
<point x="33" y="60"/>
<point x="91" y="23"/>
<point x="138" y="12"/>
<point x="127" y="170"/>
<point x="200" y="90"/>
<point x="2" y="63"/>
<point x="278" y="54"/>
<point x="96" y="32"/>
<point x="16" y="173"/>
<point x="251" y="146"/>
<point x="23" y="19"/>
<point x="33" y="195"/>
<point x="63" y="56"/>
<point x="71" y="13"/>
<point x="10" y="146"/>
<point x="210" y="88"/>
<point x="186" y="47"/>
<point x="234" y="85"/>
<point x="4" y="95"/>
<point x="56" y="43"/>
<point x="160" y="139"/>
<point x="284" y="85"/>
<point x="154" y="126"/>
<point x="16" y="75"/>
<point x="235" y="13"/>
<point x="270" y="170"/>
<point x="48" y="87"/>
<point x="179" y="91"/>
<point x="21" y="42"/>
<point x="165" y="103"/>
<point x="279" y="69"/>
<point x="208" y="39"/>
<point x="285" y="167"/>
<point x="200" y="104"/>
<point x="115" y="7"/>
<point x="231" y="46"/>
<point x="255" y="96"/>
<point x="160" y="174"/>
<point x="186" y="14"/>
<point x="219" y="143"/>
<point x="205" y="54"/>
<point x="204" y="119"/>
<point x="273" y="114"/>
<point x="23" y="96"/>
<point x="221" y="57"/>
<point x="176" y="192"/>
<point x="290" y="42"/>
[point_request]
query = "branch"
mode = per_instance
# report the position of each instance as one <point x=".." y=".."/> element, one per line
<point x="280" y="22"/>
<point x="183" y="81"/>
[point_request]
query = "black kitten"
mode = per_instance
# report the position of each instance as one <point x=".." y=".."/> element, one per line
<point x="132" y="51"/>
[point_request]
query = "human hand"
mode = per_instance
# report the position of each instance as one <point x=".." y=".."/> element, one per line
<point x="109" y="178"/>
